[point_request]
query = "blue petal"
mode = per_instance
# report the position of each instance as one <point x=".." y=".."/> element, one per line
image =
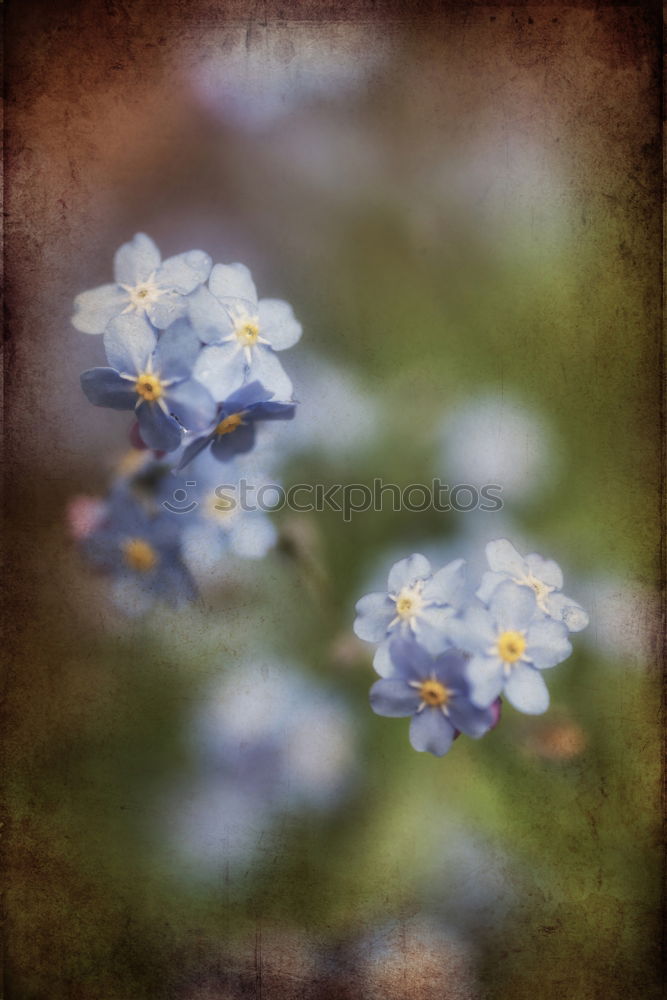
<point x="432" y="628"/>
<point x="410" y="659"/>
<point x="382" y="661"/>
<point x="177" y="350"/>
<point x="273" y="411"/>
<point x="105" y="387"/>
<point x="375" y="611"/>
<point x="221" y="368"/>
<point x="278" y="324"/>
<point x="449" y="667"/>
<point x="248" y="395"/>
<point x="489" y="583"/>
<point x="394" y="698"/>
<point x="129" y="342"/>
<point x="430" y="731"/>
<point x="166" y="310"/>
<point x="564" y="609"/>
<point x="512" y="607"/>
<point x="94" y="309"/>
<point x="193" y="449"/>
<point x="502" y="557"/>
<point x="191" y="404"/>
<point x="136" y="261"/>
<point x="469" y="719"/>
<point x="446" y="585"/>
<point x="486" y="678"/>
<point x="407" y="571"/>
<point x="473" y="632"/>
<point x="233" y="281"/>
<point x="546" y="570"/>
<point x="184" y="272"/>
<point x="547" y="644"/>
<point x="209" y="318"/>
<point x="238" y="442"/>
<point x="526" y="690"/>
<point x="157" y="430"/>
<point x="267" y="369"/>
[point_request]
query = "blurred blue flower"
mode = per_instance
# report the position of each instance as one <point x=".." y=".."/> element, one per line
<point x="144" y="286"/>
<point x="208" y="508"/>
<point x="498" y="440"/>
<point x="419" y="603"/>
<point x="274" y="728"/>
<point x="152" y="377"/>
<point x="510" y="643"/>
<point x="435" y="692"/>
<point x="233" y="432"/>
<point x="139" y="547"/>
<point x="243" y="334"/>
<point x="268" y="741"/>
<point x="543" y="576"/>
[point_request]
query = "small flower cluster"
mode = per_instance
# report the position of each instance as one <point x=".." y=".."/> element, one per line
<point x="445" y="659"/>
<point x="191" y="350"/>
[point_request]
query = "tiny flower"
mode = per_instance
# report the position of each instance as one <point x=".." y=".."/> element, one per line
<point x="419" y="604"/>
<point x="153" y="378"/>
<point x="543" y="576"/>
<point x="243" y="334"/>
<point x="233" y="432"/>
<point x="511" y="643"/>
<point x="435" y="692"/>
<point x="143" y="286"/>
<point x="140" y="546"/>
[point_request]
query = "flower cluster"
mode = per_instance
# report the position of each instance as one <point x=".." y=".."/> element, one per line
<point x="445" y="659"/>
<point x="191" y="350"/>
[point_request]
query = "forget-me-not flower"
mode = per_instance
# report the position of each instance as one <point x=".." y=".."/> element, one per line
<point x="243" y="334"/>
<point x="511" y="642"/>
<point x="139" y="545"/>
<point x="152" y="377"/>
<point x="543" y="576"/>
<point x="144" y="285"/>
<point x="418" y="604"/>
<point x="233" y="432"/>
<point x="435" y="692"/>
<point x="208" y="508"/>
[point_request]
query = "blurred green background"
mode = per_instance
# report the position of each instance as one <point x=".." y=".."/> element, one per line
<point x="460" y="207"/>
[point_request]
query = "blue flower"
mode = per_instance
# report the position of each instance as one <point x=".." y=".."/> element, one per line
<point x="143" y="286"/>
<point x="435" y="692"/>
<point x="139" y="546"/>
<point x="213" y="523"/>
<point x="233" y="432"/>
<point x="153" y="378"/>
<point x="243" y="334"/>
<point x="510" y="643"/>
<point x="543" y="576"/>
<point x="419" y="604"/>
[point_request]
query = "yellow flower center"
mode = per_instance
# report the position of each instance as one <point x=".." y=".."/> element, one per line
<point x="408" y="603"/>
<point x="434" y="693"/>
<point x="143" y="294"/>
<point x="148" y="387"/>
<point x="511" y="646"/>
<point x="247" y="331"/>
<point x="139" y="555"/>
<point x="229" y="424"/>
<point x="219" y="506"/>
